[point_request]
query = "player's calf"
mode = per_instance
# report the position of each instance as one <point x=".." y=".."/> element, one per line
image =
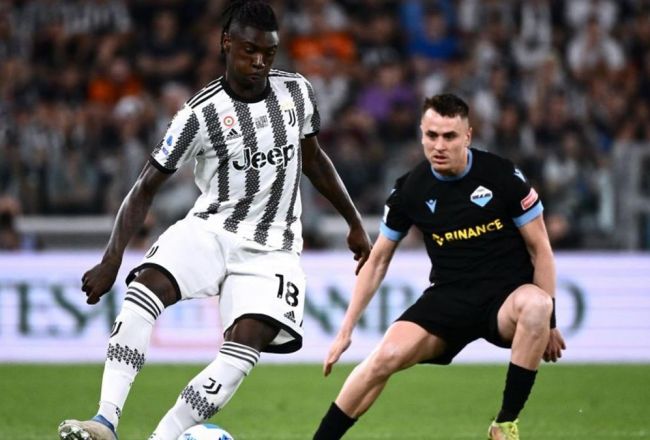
<point x="209" y="391"/>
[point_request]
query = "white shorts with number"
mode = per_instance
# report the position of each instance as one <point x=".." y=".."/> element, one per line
<point x="250" y="280"/>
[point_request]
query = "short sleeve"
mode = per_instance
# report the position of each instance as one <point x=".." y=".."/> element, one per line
<point x="523" y="202"/>
<point x="395" y="223"/>
<point x="180" y="142"/>
<point x="311" y="123"/>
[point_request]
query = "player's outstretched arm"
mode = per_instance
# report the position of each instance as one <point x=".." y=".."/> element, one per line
<point x="318" y="167"/>
<point x="368" y="281"/>
<point x="130" y="217"/>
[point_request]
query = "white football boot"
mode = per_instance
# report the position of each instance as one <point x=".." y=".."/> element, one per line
<point x="96" y="429"/>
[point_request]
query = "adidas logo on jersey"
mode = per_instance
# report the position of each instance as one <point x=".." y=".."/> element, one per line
<point x="290" y="316"/>
<point x="232" y="134"/>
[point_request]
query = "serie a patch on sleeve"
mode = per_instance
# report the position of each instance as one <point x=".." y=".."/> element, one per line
<point x="529" y="200"/>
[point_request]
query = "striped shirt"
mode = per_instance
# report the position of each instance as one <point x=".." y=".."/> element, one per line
<point x="247" y="157"/>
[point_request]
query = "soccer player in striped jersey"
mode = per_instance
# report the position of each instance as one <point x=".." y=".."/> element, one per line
<point x="250" y="135"/>
<point x="492" y="272"/>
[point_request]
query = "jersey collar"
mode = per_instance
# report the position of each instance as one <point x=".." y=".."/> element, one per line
<point x="262" y="96"/>
<point x="458" y="176"/>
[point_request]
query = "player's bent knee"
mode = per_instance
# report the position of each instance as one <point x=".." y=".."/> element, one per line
<point x="540" y="301"/>
<point x="535" y="309"/>
<point x="385" y="361"/>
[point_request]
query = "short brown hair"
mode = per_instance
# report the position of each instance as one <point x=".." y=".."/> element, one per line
<point x="446" y="104"/>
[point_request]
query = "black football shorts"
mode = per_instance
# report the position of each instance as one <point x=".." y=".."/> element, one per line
<point x="459" y="315"/>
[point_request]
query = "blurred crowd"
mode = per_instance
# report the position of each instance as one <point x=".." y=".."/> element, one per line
<point x="87" y="88"/>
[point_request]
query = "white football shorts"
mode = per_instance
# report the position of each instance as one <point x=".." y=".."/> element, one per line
<point x="250" y="280"/>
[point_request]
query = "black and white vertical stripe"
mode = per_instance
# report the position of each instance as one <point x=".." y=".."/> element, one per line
<point x="288" y="234"/>
<point x="143" y="299"/>
<point x="217" y="139"/>
<point x="241" y="352"/>
<point x="185" y="139"/>
<point x="315" y="117"/>
<point x="252" y="179"/>
<point x="279" y="139"/>
<point x="298" y="100"/>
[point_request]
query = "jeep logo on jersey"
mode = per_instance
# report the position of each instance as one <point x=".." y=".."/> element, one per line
<point x="275" y="156"/>
<point x="481" y="196"/>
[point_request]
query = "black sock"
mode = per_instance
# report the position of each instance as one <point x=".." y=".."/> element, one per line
<point x="519" y="382"/>
<point x="334" y="424"/>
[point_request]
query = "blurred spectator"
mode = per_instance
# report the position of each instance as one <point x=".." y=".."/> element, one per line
<point x="386" y="89"/>
<point x="513" y="136"/>
<point x="430" y="29"/>
<point x="10" y="238"/>
<point x="592" y="51"/>
<point x="489" y="38"/>
<point x="73" y="188"/>
<point x="165" y="54"/>
<point x="319" y="38"/>
<point x="580" y="12"/>
<point x="12" y="44"/>
<point x="117" y="81"/>
<point x="487" y="100"/>
<point x="534" y="41"/>
<point x="376" y="30"/>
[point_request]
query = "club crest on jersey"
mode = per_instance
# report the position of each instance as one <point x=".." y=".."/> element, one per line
<point x="291" y="113"/>
<point x="290" y="109"/>
<point x="431" y="204"/>
<point x="481" y="196"/>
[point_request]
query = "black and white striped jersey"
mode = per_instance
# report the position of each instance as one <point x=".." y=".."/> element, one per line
<point x="247" y="157"/>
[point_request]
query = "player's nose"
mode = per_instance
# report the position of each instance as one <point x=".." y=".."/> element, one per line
<point x="258" y="61"/>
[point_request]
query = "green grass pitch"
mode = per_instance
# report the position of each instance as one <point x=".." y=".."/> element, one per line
<point x="287" y="402"/>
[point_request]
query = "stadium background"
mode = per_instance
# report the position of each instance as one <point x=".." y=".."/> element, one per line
<point x="560" y="87"/>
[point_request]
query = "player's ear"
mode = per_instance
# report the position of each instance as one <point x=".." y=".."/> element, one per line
<point x="469" y="136"/>
<point x="226" y="41"/>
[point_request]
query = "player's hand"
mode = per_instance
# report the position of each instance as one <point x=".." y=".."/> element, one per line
<point x="555" y="346"/>
<point x="340" y="344"/>
<point x="359" y="244"/>
<point x="98" y="280"/>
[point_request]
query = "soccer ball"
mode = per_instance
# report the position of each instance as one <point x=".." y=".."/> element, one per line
<point x="205" y="431"/>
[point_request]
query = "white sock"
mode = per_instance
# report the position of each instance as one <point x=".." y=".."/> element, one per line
<point x="127" y="346"/>
<point x="209" y="391"/>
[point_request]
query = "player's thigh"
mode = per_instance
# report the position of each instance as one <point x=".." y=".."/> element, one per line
<point x="405" y="344"/>
<point x="510" y="311"/>
<point x="190" y="257"/>
<point x="267" y="286"/>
